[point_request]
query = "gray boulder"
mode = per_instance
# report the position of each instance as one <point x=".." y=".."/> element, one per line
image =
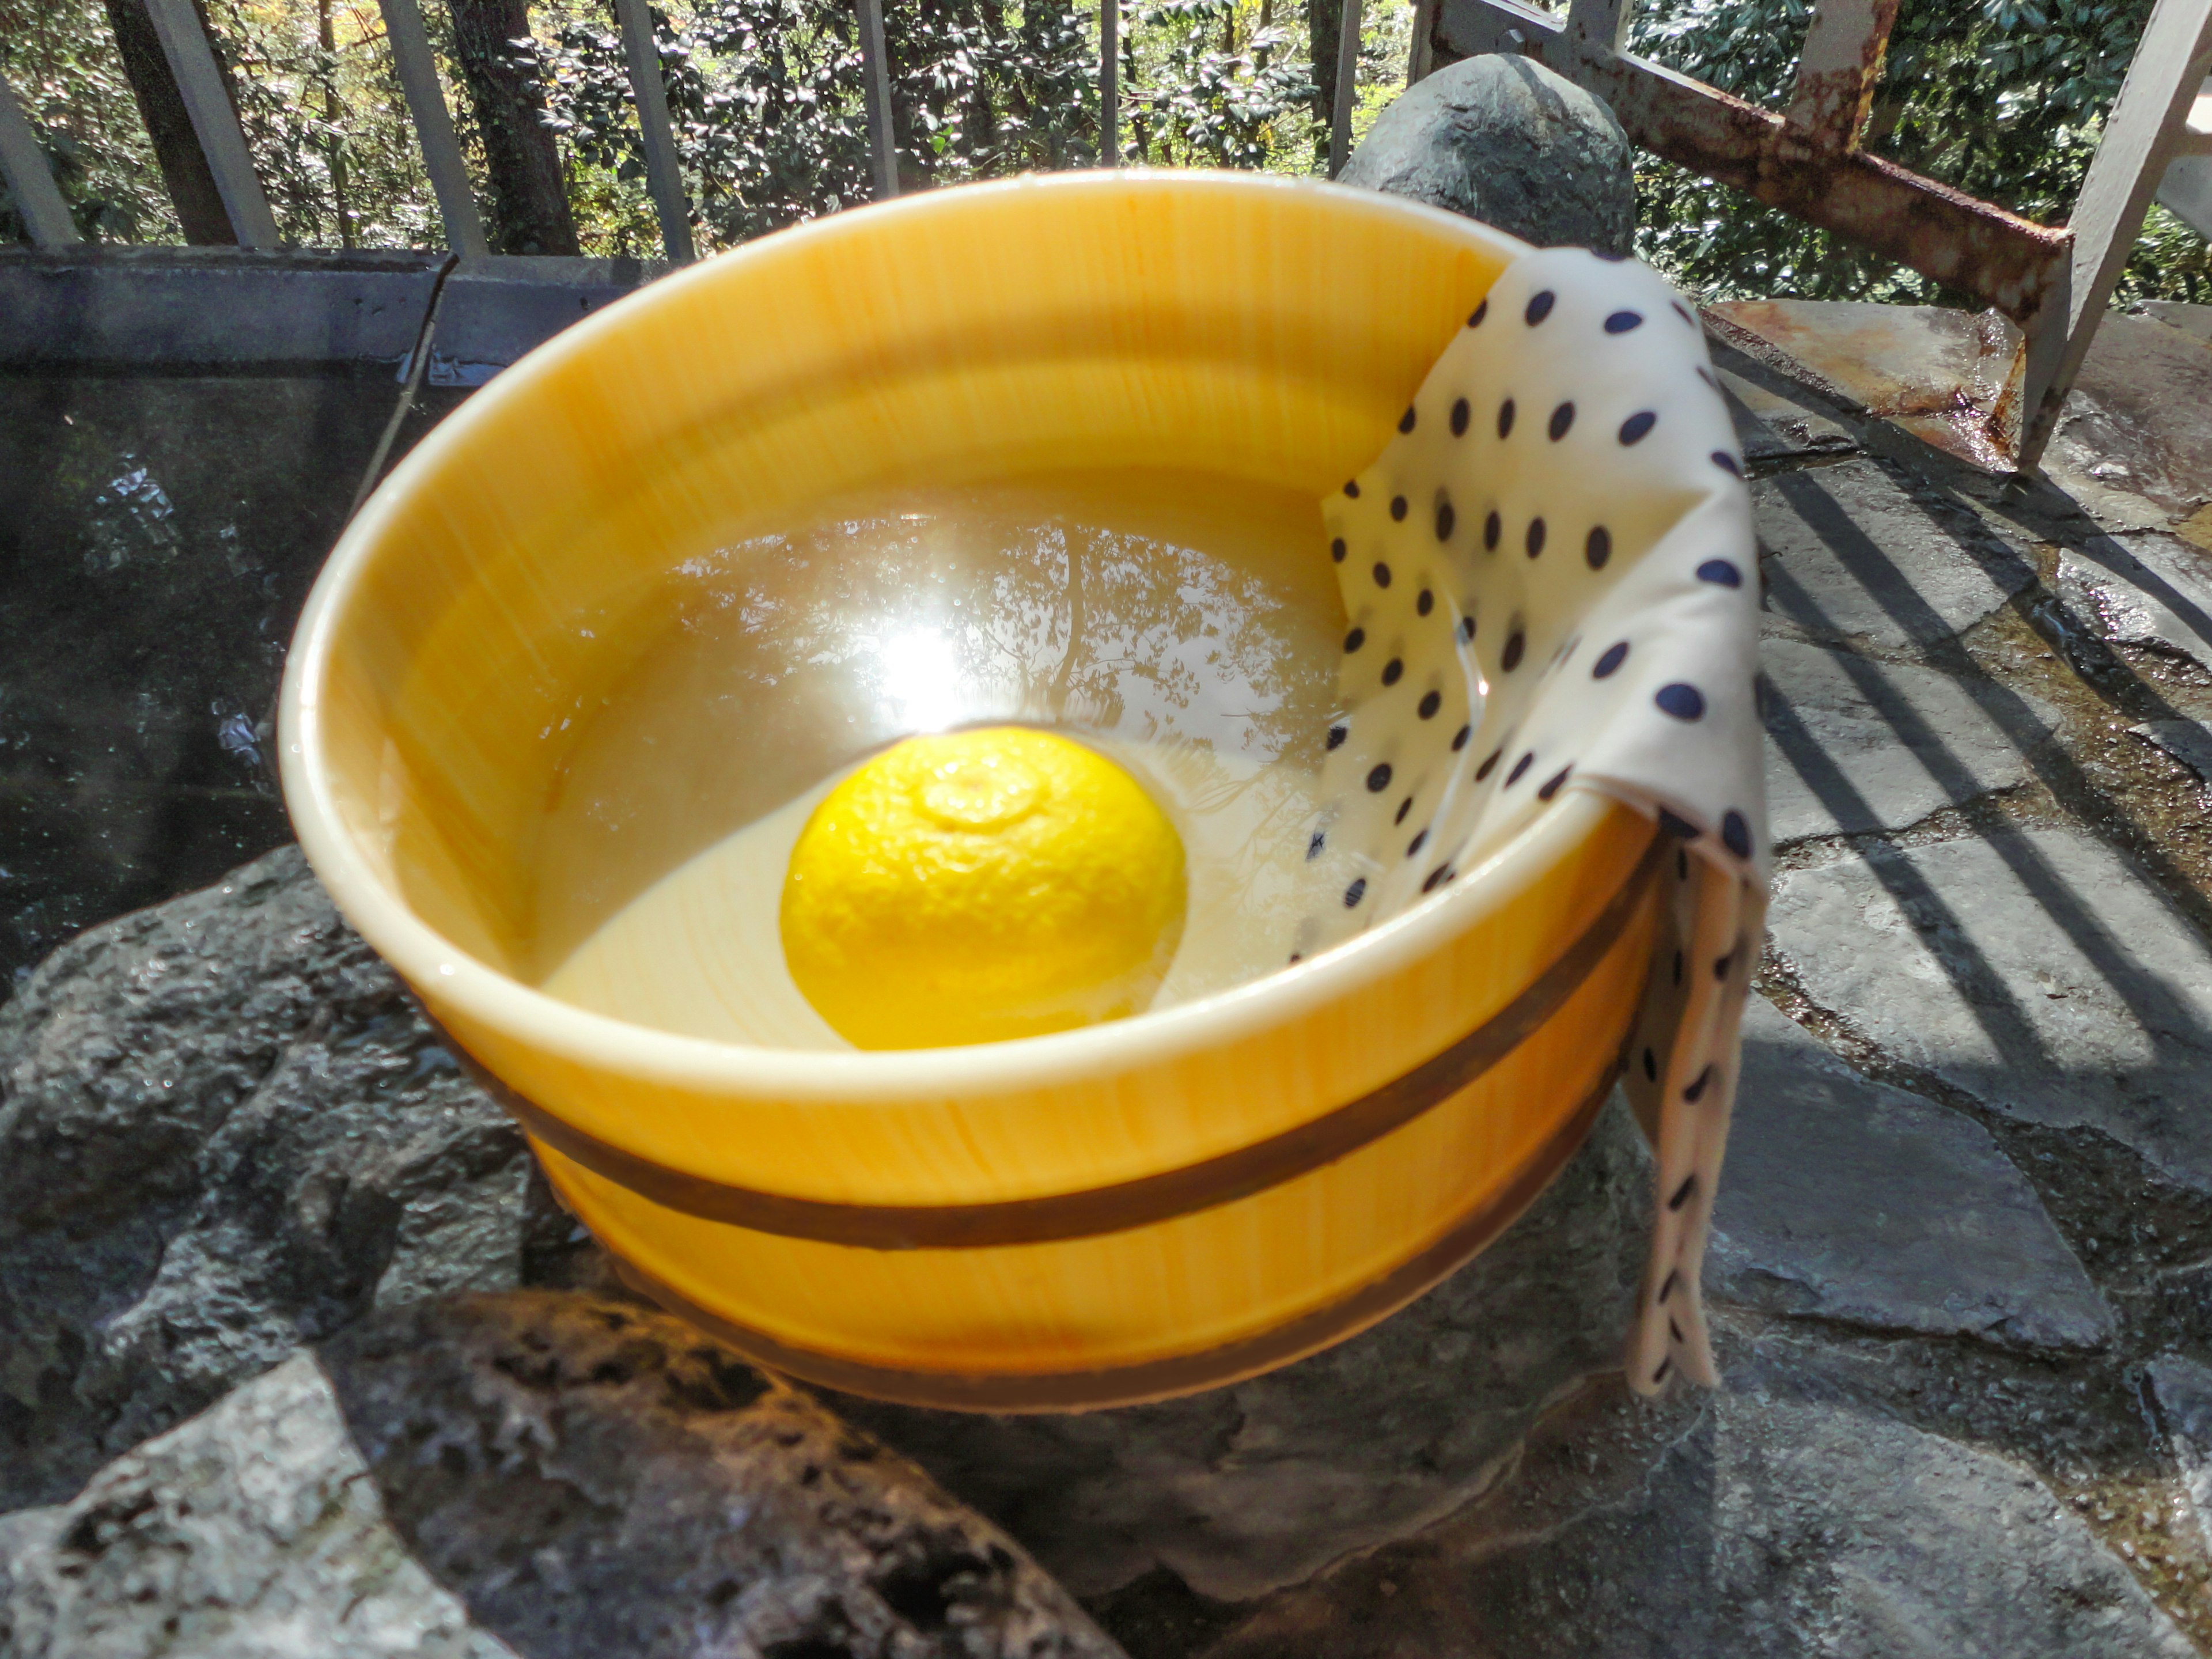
<point x="537" y="1473"/>
<point x="225" y="1132"/>
<point x="1506" y="141"/>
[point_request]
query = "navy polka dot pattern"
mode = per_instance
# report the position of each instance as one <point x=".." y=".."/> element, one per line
<point x="1448" y="753"/>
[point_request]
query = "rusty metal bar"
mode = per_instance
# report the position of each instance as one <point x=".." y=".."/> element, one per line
<point x="1976" y="247"/>
<point x="2140" y="137"/>
<point x="434" y="127"/>
<point x="1839" y="70"/>
<point x="1347" y="87"/>
<point x="23" y="163"/>
<point x="663" y="168"/>
<point x="199" y="82"/>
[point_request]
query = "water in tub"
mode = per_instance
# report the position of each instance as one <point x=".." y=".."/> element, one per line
<point x="1187" y="627"/>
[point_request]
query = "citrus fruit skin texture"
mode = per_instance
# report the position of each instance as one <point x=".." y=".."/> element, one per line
<point x="981" y="885"/>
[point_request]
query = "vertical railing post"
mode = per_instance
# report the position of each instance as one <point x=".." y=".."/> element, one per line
<point x="2186" y="190"/>
<point x="663" y="170"/>
<point x="434" y="127"/>
<point x="875" y="66"/>
<point x="1838" y="72"/>
<point x="1109" y="83"/>
<point x="1599" y="28"/>
<point x="214" y="123"/>
<point x="30" y="182"/>
<point x="2141" y="135"/>
<point x="1421" y="58"/>
<point x="1347" y="87"/>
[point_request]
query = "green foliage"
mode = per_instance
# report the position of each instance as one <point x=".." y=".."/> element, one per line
<point x="60" y="59"/>
<point x="1201" y="96"/>
<point x="2004" y="99"/>
<point x="327" y="125"/>
<point x="768" y="98"/>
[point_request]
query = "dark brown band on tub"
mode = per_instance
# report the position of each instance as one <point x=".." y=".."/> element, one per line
<point x="1160" y="1379"/>
<point x="1127" y="1204"/>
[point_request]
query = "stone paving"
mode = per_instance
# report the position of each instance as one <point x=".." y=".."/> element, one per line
<point x="1962" y="1260"/>
<point x="1961" y="1269"/>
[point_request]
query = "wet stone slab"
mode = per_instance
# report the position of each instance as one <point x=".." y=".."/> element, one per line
<point x="2189" y="741"/>
<point x="1845" y="1200"/>
<point x="1851" y="552"/>
<point x="2037" y="970"/>
<point x="2151" y="591"/>
<point x="1775" y="419"/>
<point x="1854" y="745"/>
<point x="2182" y="1390"/>
<point x="1770" y="1528"/>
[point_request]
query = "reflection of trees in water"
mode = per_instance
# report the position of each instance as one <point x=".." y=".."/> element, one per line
<point x="1041" y="618"/>
<point x="796" y="654"/>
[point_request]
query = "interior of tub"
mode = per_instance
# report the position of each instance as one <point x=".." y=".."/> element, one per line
<point x="1054" y="457"/>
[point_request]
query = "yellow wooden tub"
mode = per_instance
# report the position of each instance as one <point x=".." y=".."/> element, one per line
<point x="1114" y="1214"/>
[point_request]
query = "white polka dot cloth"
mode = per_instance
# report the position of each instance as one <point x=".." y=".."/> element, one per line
<point x="1551" y="583"/>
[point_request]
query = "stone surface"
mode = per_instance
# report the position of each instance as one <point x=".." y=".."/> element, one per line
<point x="159" y="533"/>
<point x="2037" y="970"/>
<point x="1506" y="141"/>
<point x="2133" y="446"/>
<point x="540" y="1475"/>
<point x="224" y="1131"/>
<point x="2139" y="421"/>
<point x="2153" y="591"/>
<point x="1241" y="1489"/>
<point x="1846" y="1200"/>
<point x="2189" y="741"/>
<point x="1853" y="552"/>
<point x="1775" y="419"/>
<point x="1853" y="744"/>
<point x="1772" y="1528"/>
<point x="2183" y="1389"/>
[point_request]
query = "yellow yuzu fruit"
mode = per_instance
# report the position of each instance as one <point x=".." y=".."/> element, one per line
<point x="975" y="886"/>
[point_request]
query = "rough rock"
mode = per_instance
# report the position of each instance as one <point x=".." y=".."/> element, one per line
<point x="1772" y="1528"/>
<point x="2151" y="591"/>
<point x="224" y="1132"/>
<point x="1506" y="141"/>
<point x="2037" y="970"/>
<point x="2189" y="741"/>
<point x="536" y="1474"/>
<point x="1854" y="745"/>
<point x="1855" y="553"/>
<point x="2183" y="1389"/>
<point x="1846" y="1200"/>
<point x="1242" y="1489"/>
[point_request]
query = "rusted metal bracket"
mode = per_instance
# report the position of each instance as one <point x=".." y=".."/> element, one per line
<point x="2053" y="281"/>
